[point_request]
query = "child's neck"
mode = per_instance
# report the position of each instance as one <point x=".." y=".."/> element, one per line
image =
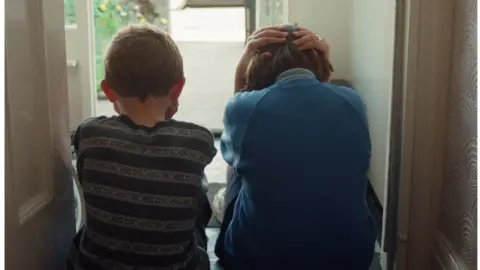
<point x="148" y="113"/>
<point x="145" y="120"/>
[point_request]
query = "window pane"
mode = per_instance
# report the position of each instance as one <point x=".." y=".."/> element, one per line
<point x="277" y="12"/>
<point x="110" y="16"/>
<point x="69" y="7"/>
<point x="211" y="41"/>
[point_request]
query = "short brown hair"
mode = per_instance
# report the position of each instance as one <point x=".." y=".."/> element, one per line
<point x="142" y="61"/>
<point x="262" y="73"/>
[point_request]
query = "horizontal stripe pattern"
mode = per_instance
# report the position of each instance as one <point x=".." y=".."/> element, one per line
<point x="139" y="198"/>
<point x="140" y="223"/>
<point x="81" y="256"/>
<point x="136" y="248"/>
<point x="146" y="150"/>
<point x="142" y="188"/>
<point x="142" y="173"/>
<point x="167" y="131"/>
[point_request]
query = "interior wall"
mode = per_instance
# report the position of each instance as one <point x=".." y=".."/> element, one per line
<point x="362" y="44"/>
<point x="372" y="48"/>
<point x="331" y="20"/>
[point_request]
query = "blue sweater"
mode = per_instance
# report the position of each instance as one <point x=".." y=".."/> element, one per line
<point x="302" y="150"/>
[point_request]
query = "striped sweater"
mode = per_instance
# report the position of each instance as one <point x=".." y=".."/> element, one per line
<point x="142" y="188"/>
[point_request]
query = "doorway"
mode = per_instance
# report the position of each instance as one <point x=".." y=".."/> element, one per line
<point x="424" y="48"/>
<point x="200" y="37"/>
<point x="210" y="35"/>
<point x="195" y="27"/>
<point x="203" y="41"/>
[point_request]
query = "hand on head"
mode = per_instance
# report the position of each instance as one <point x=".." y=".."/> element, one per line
<point x="305" y="40"/>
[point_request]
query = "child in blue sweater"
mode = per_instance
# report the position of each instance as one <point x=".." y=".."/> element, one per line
<point x="301" y="149"/>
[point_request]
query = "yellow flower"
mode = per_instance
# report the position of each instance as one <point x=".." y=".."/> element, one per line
<point x="142" y="20"/>
<point x="163" y="20"/>
<point x="118" y="8"/>
<point x="102" y="7"/>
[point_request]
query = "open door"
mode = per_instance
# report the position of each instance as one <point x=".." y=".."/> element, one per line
<point x="80" y="50"/>
<point x="437" y="220"/>
<point x="39" y="219"/>
<point x="89" y="27"/>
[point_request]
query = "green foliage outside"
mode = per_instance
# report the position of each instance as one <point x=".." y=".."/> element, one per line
<point x="109" y="17"/>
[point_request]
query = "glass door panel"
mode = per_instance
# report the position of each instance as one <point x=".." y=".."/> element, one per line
<point x="271" y="12"/>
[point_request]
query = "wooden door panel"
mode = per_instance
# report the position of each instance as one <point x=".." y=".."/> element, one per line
<point x="455" y="244"/>
<point x="28" y="105"/>
<point x="39" y="222"/>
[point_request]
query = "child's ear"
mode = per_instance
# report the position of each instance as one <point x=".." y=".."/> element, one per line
<point x="177" y="89"/>
<point x="111" y="96"/>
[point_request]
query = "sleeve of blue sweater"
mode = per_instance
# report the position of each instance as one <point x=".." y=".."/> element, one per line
<point x="238" y="111"/>
<point x="353" y="98"/>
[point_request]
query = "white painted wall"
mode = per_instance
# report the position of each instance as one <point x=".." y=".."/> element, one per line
<point x="372" y="75"/>
<point x="361" y="34"/>
<point x="331" y="20"/>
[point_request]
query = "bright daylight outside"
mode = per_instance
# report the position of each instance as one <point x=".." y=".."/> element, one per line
<point x="210" y="40"/>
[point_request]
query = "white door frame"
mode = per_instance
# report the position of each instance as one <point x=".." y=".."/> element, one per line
<point x="86" y="31"/>
<point x="81" y="40"/>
